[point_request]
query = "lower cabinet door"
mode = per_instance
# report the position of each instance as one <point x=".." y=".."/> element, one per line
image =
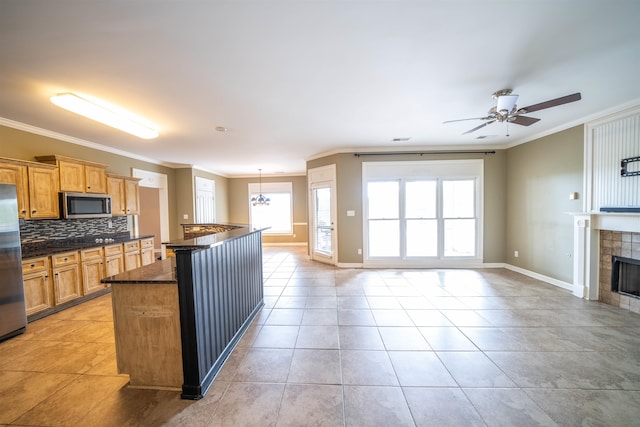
<point x="132" y="261"/>
<point x="37" y="292"/>
<point x="114" y="265"/>
<point x="66" y="283"/>
<point x="92" y="273"/>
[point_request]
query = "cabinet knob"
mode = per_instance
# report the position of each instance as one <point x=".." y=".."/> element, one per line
<point x="65" y="258"/>
<point x="33" y="212"/>
<point x="32" y="266"/>
<point x="24" y="212"/>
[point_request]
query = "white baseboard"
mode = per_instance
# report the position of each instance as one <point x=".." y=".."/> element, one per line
<point x="542" y="277"/>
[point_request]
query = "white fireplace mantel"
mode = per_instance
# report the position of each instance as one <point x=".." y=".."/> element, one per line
<point x="586" y="246"/>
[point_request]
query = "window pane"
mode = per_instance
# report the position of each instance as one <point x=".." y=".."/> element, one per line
<point x="384" y="238"/>
<point x="383" y="199"/>
<point x="458" y="198"/>
<point x="420" y="199"/>
<point x="323" y="206"/>
<point x="276" y="215"/>
<point x="459" y="237"/>
<point x="322" y="241"/>
<point x="422" y="237"/>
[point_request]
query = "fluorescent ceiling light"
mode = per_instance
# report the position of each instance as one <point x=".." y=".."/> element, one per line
<point x="109" y="115"/>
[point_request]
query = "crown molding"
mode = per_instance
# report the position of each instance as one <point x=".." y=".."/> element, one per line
<point x="73" y="140"/>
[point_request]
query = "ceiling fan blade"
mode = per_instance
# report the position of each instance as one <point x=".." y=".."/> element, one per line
<point x="524" y="120"/>
<point x="551" y="103"/>
<point x="479" y="127"/>
<point x="472" y="118"/>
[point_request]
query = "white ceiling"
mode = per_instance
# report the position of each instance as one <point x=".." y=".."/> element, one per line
<point x="292" y="80"/>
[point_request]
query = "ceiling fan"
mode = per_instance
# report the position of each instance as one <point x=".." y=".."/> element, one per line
<point x="507" y="111"/>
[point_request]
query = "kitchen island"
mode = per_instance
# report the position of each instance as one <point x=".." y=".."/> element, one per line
<point x="177" y="321"/>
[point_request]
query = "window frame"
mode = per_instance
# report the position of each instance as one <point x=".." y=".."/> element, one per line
<point x="267" y="188"/>
<point x="427" y="170"/>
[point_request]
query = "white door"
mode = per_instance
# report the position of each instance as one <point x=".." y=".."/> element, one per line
<point x="323" y="233"/>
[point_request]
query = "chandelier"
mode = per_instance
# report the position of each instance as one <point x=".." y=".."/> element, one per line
<point x="260" y="200"/>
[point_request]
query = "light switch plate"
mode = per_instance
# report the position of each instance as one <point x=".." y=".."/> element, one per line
<point x="351" y="213"/>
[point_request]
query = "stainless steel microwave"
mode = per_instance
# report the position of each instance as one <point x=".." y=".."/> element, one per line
<point x="84" y="205"/>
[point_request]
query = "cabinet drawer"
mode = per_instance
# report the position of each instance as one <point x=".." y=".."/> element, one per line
<point x="64" y="259"/>
<point x="113" y="250"/>
<point x="132" y="246"/>
<point x="146" y="243"/>
<point x="92" y="253"/>
<point x="35" y="265"/>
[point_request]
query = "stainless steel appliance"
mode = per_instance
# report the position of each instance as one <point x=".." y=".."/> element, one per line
<point x="13" y="316"/>
<point x="84" y="205"/>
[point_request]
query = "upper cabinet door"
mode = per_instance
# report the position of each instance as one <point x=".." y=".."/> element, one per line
<point x="115" y="188"/>
<point x="17" y="174"/>
<point x="95" y="179"/>
<point x="43" y="192"/>
<point x="71" y="177"/>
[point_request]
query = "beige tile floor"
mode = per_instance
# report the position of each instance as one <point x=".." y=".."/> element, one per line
<point x="346" y="347"/>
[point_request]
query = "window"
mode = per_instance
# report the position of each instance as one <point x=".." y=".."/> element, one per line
<point x="278" y="215"/>
<point x="422" y="210"/>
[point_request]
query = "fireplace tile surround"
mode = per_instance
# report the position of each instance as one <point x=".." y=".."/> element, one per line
<point x="616" y="243"/>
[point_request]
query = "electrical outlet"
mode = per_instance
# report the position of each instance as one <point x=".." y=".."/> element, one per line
<point x="359" y="251"/>
<point x="185" y="216"/>
<point x="515" y="254"/>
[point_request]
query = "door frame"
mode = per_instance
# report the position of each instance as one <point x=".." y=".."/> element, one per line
<point x="324" y="176"/>
<point x="159" y="181"/>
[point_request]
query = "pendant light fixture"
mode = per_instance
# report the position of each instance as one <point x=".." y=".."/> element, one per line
<point x="260" y="200"/>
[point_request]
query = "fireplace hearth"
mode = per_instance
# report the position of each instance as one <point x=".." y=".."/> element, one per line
<point x="625" y="276"/>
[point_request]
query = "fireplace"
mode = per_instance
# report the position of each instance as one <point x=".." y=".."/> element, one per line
<point x="619" y="278"/>
<point x="625" y="276"/>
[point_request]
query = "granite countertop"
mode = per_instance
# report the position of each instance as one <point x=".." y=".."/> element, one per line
<point x="210" y="240"/>
<point x="159" y="272"/>
<point x="51" y="247"/>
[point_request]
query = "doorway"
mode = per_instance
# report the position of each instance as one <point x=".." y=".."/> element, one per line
<point x="322" y="214"/>
<point x="154" y="210"/>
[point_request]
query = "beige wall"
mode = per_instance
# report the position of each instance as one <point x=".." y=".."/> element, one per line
<point x="526" y="195"/>
<point x="238" y="191"/>
<point x="540" y="176"/>
<point x="18" y="144"/>
<point x="185" y="196"/>
<point x="349" y="184"/>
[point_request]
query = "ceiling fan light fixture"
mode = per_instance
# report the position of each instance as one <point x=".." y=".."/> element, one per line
<point x="106" y="114"/>
<point x="506" y="103"/>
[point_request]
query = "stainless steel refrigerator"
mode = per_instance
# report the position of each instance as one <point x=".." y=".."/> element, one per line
<point x="13" y="317"/>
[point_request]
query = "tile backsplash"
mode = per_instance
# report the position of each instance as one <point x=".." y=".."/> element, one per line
<point x="65" y="229"/>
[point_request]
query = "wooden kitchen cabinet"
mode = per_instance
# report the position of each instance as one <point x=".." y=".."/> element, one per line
<point x="12" y="172"/>
<point x="125" y="194"/>
<point x="113" y="260"/>
<point x="115" y="188"/>
<point x="132" y="195"/>
<point x="37" y="286"/>
<point x="79" y="176"/>
<point x="92" y="269"/>
<point x="66" y="277"/>
<point x="147" y="251"/>
<point x="132" y="259"/>
<point x="43" y="191"/>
